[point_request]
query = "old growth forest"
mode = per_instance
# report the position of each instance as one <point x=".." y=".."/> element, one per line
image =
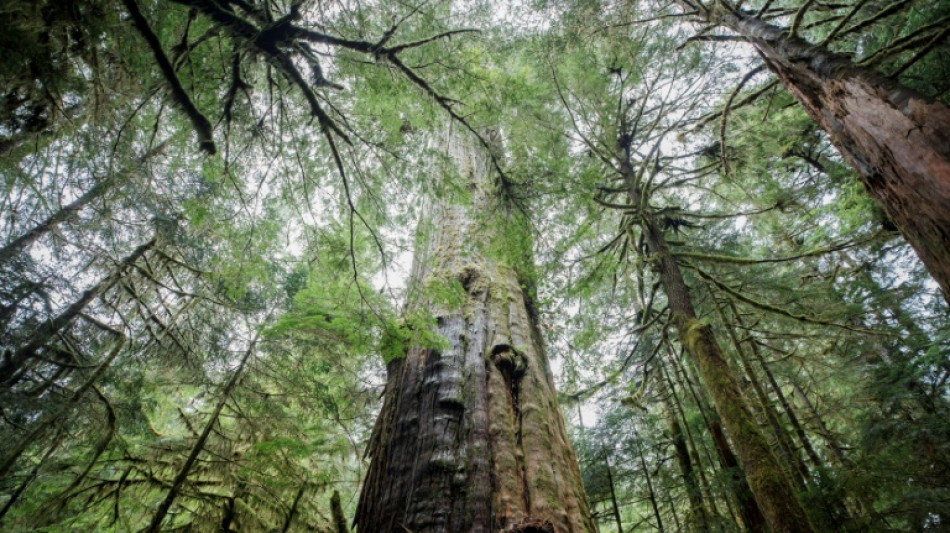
<point x="452" y="266"/>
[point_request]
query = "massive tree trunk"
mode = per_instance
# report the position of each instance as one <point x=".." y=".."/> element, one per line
<point x="766" y="477"/>
<point x="470" y="437"/>
<point x="897" y="139"/>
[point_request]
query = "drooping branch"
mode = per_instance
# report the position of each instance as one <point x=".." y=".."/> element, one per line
<point x="38" y="430"/>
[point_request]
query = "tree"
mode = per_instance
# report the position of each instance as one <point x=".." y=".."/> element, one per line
<point x="470" y="437"/>
<point x="894" y="137"/>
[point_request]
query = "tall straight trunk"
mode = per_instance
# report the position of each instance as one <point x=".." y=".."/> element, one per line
<point x="830" y="440"/>
<point x="692" y="452"/>
<point x="777" y="389"/>
<point x="897" y="139"/>
<point x="797" y="469"/>
<point x="470" y="437"/>
<point x="646" y="476"/>
<point x="697" y="516"/>
<point x="749" y="510"/>
<point x="770" y="486"/>
<point x="615" y="507"/>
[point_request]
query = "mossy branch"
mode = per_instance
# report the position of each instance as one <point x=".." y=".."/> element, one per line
<point x="778" y="310"/>
<point x="720" y="258"/>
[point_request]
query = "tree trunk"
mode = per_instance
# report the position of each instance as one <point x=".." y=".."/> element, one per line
<point x="898" y="140"/>
<point x="336" y="510"/>
<point x="704" y="490"/>
<point x="796" y="468"/>
<point x="650" y="491"/>
<point x="748" y="508"/>
<point x="697" y="516"/>
<point x="615" y="507"/>
<point x="470" y="437"/>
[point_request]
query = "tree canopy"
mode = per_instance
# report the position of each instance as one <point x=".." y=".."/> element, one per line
<point x="208" y="211"/>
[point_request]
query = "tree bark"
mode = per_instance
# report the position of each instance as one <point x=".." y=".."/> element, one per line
<point x="897" y="139"/>
<point x="470" y="437"/>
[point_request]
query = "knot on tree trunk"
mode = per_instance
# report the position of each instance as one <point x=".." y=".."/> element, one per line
<point x="531" y="525"/>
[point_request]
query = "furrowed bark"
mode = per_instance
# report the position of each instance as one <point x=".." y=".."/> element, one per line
<point x="470" y="437"/>
<point x="897" y="139"/>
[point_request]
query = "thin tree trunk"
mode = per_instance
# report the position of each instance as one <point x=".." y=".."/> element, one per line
<point x="470" y="437"/>
<point x="12" y="499"/>
<point x="697" y="517"/>
<point x="646" y="476"/>
<point x="613" y="495"/>
<point x="748" y="507"/>
<point x="230" y="510"/>
<point x="8" y="251"/>
<point x="770" y="487"/>
<point x="826" y="434"/>
<point x="692" y="452"/>
<point x="293" y="510"/>
<point x="697" y="511"/>
<point x="783" y="401"/>
<point x="897" y="139"/>
<point x="68" y="211"/>
<point x="796" y="467"/>
<point x="336" y="510"/>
